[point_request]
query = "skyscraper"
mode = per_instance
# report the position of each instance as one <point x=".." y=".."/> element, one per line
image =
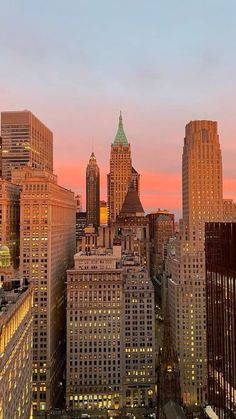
<point x="10" y="219"/>
<point x="202" y="201"/>
<point x="121" y="172"/>
<point x="221" y="317"/>
<point x="25" y="141"/>
<point x="93" y="192"/>
<point x="47" y="246"/>
<point x="110" y="332"/>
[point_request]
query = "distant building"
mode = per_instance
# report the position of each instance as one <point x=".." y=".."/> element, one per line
<point x="132" y="229"/>
<point x="47" y="245"/>
<point x="229" y="210"/>
<point x="121" y="175"/>
<point x="93" y="192"/>
<point x="16" y="351"/>
<point x="169" y="378"/>
<point x="26" y="141"/>
<point x="103" y="213"/>
<point x="161" y="227"/>
<point x="10" y="219"/>
<point x="81" y="222"/>
<point x="78" y="199"/>
<point x="221" y="317"/>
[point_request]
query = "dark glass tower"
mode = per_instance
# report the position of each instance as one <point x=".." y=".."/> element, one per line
<point x="93" y="192"/>
<point x="221" y="317"/>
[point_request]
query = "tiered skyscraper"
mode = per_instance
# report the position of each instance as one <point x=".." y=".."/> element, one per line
<point x="25" y="141"/>
<point x="93" y="192"/>
<point x="121" y="173"/>
<point x="202" y="201"/>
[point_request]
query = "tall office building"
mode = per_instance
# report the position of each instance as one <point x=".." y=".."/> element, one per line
<point x="94" y="327"/>
<point x="47" y="245"/>
<point x="10" y="219"/>
<point x="93" y="192"/>
<point x="221" y="317"/>
<point x="202" y="201"/>
<point x="26" y="141"/>
<point x="122" y="174"/>
<point x="139" y="346"/>
<point x="110" y="332"/>
<point x="16" y="349"/>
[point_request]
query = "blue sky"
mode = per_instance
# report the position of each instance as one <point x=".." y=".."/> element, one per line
<point x="75" y="64"/>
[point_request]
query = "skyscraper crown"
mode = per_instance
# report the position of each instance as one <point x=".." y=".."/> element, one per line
<point x="120" y="137"/>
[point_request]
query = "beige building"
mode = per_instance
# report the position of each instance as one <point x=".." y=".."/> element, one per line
<point x="16" y="334"/>
<point x="26" y="141"/>
<point x="47" y="245"/>
<point x="229" y="210"/>
<point x="202" y="201"/>
<point x="110" y="332"/>
<point x="139" y="347"/>
<point x="121" y="173"/>
<point x="10" y="219"/>
<point x="103" y="213"/>
<point x="94" y="327"/>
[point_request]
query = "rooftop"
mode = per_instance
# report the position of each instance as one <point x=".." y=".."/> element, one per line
<point x="120" y="138"/>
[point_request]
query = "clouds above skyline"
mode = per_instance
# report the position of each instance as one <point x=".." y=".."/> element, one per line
<point x="76" y="63"/>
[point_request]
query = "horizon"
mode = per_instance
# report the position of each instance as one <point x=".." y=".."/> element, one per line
<point x="162" y="65"/>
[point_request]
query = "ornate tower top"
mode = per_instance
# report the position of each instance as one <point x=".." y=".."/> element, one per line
<point x="120" y="137"/>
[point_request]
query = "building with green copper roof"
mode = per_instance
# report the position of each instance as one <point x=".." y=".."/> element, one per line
<point x="120" y="138"/>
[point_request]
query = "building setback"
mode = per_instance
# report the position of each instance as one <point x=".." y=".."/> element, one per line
<point x="221" y="317"/>
<point x="26" y="141"/>
<point x="47" y="245"/>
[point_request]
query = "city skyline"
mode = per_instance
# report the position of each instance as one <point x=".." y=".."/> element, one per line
<point x="162" y="70"/>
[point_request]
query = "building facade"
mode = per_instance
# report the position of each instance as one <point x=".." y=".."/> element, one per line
<point x="26" y="141"/>
<point x="221" y="317"/>
<point x="103" y="213"/>
<point x="93" y="192"/>
<point x="229" y="210"/>
<point x="161" y="227"/>
<point x="202" y="201"/>
<point x="122" y="174"/>
<point x="94" y="327"/>
<point x="10" y="219"/>
<point x="139" y="347"/>
<point x="47" y="245"/>
<point x="16" y="350"/>
<point x="110" y="332"/>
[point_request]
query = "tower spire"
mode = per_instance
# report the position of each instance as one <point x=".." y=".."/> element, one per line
<point x="120" y="137"/>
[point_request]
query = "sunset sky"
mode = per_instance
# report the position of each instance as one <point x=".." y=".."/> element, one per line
<point x="76" y="63"/>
